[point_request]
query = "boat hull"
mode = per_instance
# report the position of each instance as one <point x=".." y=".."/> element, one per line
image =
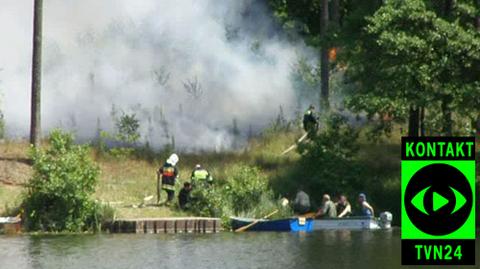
<point x="281" y="225"/>
<point x="355" y="223"/>
<point x="308" y="225"/>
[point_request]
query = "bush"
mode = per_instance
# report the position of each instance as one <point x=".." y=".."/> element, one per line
<point x="59" y="193"/>
<point x="327" y="163"/>
<point x="122" y="144"/>
<point x="102" y="213"/>
<point x="245" y="192"/>
<point x="128" y="128"/>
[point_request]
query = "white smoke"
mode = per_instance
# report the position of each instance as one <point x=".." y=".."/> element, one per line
<point x="137" y="55"/>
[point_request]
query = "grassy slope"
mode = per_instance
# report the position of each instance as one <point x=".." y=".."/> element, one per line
<point x="14" y="171"/>
<point x="125" y="182"/>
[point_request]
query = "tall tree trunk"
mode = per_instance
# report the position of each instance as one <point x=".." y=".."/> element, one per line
<point x="478" y="126"/>
<point x="447" y="117"/>
<point x="477" y="19"/>
<point x="324" y="64"/>
<point x="336" y="12"/>
<point x="413" y="120"/>
<point x="477" y="24"/>
<point x="422" y="121"/>
<point x="448" y="7"/>
<point x="35" y="120"/>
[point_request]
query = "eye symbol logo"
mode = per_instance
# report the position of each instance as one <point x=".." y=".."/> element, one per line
<point x="438" y="201"/>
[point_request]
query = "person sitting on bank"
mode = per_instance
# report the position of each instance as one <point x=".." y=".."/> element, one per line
<point x="301" y="204"/>
<point x="166" y="178"/>
<point x="343" y="207"/>
<point x="328" y="209"/>
<point x="184" y="198"/>
<point x="366" y="208"/>
<point x="200" y="176"/>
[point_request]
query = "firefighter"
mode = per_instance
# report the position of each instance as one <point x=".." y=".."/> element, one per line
<point x="201" y="176"/>
<point x="166" y="178"/>
<point x="310" y="121"/>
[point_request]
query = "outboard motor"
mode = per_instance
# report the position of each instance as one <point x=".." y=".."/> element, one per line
<point x="386" y="220"/>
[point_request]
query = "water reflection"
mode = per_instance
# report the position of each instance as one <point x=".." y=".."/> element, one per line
<point x="326" y="249"/>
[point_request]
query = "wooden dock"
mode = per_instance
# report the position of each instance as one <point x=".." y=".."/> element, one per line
<point x="164" y="225"/>
<point x="13" y="227"/>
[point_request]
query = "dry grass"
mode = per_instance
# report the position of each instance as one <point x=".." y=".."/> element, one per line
<point x="125" y="182"/>
<point x="14" y="164"/>
<point x="10" y="198"/>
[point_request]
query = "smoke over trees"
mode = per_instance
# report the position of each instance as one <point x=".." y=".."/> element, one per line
<point x="153" y="56"/>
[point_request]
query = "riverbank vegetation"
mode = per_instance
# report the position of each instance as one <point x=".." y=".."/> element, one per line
<point x="247" y="182"/>
<point x="387" y="69"/>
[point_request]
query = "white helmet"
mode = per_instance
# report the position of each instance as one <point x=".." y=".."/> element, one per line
<point x="173" y="159"/>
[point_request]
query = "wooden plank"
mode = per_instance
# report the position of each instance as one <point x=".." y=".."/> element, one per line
<point x="139" y="229"/>
<point x="150" y="227"/>
<point x="160" y="226"/>
<point x="190" y="226"/>
<point x="169" y="226"/>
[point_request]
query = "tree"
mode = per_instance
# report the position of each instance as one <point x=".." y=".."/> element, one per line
<point x="412" y="59"/>
<point x="127" y="126"/>
<point x="35" y="120"/>
<point x="309" y="19"/>
<point x="324" y="61"/>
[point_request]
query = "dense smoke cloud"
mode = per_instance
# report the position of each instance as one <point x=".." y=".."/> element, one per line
<point x="186" y="68"/>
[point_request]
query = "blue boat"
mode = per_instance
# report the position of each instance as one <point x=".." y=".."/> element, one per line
<point x="301" y="224"/>
<point x="279" y="225"/>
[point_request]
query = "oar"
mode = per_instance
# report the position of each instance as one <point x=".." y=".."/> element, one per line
<point x="244" y="228"/>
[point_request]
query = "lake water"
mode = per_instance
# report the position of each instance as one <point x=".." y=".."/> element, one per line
<point x="325" y="249"/>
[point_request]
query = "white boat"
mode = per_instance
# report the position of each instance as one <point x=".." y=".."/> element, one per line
<point x="354" y="223"/>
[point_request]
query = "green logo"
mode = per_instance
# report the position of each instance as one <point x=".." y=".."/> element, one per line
<point x="438" y="200"/>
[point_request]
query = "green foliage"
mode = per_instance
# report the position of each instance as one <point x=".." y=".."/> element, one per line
<point x="100" y="144"/>
<point x="412" y="56"/>
<point x="305" y="78"/>
<point x="59" y="193"/>
<point x="244" y="192"/>
<point x="127" y="128"/>
<point x="396" y="54"/>
<point x="245" y="185"/>
<point x="122" y="141"/>
<point x="101" y="214"/>
<point x="327" y="161"/>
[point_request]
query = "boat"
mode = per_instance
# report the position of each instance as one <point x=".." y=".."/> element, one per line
<point x="301" y="224"/>
<point x="351" y="223"/>
<point x="293" y="224"/>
